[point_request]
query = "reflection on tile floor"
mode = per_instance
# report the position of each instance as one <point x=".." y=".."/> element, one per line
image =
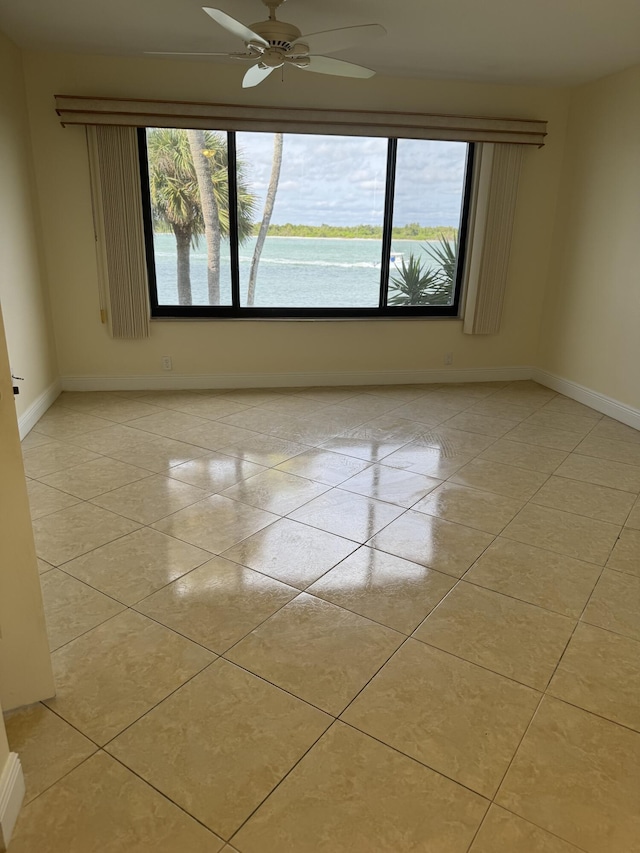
<point x="320" y="620"/>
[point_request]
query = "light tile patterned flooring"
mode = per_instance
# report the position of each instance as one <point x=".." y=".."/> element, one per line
<point x="375" y="620"/>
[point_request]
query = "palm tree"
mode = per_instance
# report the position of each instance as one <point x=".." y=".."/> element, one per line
<point x="276" y="164"/>
<point x="210" y="209"/>
<point x="175" y="200"/>
<point x="176" y="197"/>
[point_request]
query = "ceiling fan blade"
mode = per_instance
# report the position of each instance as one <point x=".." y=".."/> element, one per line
<point x="330" y="41"/>
<point x="234" y="26"/>
<point x="183" y="53"/>
<point x="256" y="74"/>
<point x="327" y="65"/>
<point x="244" y="57"/>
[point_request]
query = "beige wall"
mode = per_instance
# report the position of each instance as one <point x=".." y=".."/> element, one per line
<point x="84" y="347"/>
<point x="23" y="299"/>
<point x="590" y="332"/>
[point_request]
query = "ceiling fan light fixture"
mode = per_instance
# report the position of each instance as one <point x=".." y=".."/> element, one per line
<point x="273" y="57"/>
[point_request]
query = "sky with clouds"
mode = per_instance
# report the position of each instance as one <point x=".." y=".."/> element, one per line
<point x="339" y="180"/>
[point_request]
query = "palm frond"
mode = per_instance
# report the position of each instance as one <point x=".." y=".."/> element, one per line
<point x="415" y="283"/>
<point x="175" y="197"/>
<point x="445" y="254"/>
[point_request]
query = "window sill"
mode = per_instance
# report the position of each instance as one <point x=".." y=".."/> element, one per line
<point x="355" y="319"/>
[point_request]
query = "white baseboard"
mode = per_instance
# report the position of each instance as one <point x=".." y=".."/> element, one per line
<point x="174" y="382"/>
<point x="600" y="402"/>
<point x="11" y="797"/>
<point x="36" y="410"/>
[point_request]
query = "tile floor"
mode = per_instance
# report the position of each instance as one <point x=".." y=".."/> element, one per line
<point x="376" y="620"/>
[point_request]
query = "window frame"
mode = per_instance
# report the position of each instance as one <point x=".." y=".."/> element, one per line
<point x="237" y="311"/>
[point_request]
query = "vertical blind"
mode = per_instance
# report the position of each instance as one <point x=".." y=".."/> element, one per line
<point x="493" y="211"/>
<point x="122" y="268"/>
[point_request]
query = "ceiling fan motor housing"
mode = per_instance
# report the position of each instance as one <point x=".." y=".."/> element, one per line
<point x="278" y="33"/>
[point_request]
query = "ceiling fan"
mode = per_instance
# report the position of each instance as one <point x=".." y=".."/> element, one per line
<point x="273" y="44"/>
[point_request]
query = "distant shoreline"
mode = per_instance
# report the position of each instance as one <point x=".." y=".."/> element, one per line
<point x="413" y="231"/>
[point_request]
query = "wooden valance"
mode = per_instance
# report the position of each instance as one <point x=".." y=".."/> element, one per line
<point x="74" y="109"/>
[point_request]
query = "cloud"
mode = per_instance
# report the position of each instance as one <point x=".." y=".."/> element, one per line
<point x="341" y="180"/>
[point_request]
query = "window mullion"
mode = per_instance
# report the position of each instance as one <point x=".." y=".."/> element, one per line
<point x="232" y="176"/>
<point x="387" y="223"/>
<point x="147" y="217"/>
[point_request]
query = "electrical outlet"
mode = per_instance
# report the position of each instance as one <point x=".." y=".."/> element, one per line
<point x="448" y="358"/>
<point x="166" y="362"/>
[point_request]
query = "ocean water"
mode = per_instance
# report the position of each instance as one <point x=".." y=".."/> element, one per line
<point x="294" y="271"/>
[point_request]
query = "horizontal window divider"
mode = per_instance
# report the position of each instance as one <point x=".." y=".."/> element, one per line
<point x="75" y="109"/>
<point x="181" y="312"/>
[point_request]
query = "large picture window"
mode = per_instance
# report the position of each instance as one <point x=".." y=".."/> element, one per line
<point x="253" y="224"/>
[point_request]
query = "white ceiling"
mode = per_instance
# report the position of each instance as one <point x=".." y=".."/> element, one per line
<point x="544" y="42"/>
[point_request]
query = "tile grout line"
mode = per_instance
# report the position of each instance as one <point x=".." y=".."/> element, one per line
<point x="61" y="567"/>
<point x="546" y="689"/>
<point x="395" y="749"/>
<point x="359" y="546"/>
<point x="344" y="722"/>
<point x="526" y="820"/>
<point x="149" y="526"/>
<point x="544" y="694"/>
<point x="90" y="500"/>
<point x="249" y="672"/>
<point x="67" y="772"/>
<point x="277" y="785"/>
<point x="163" y="699"/>
<point x="164" y="796"/>
<point x="155" y="705"/>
